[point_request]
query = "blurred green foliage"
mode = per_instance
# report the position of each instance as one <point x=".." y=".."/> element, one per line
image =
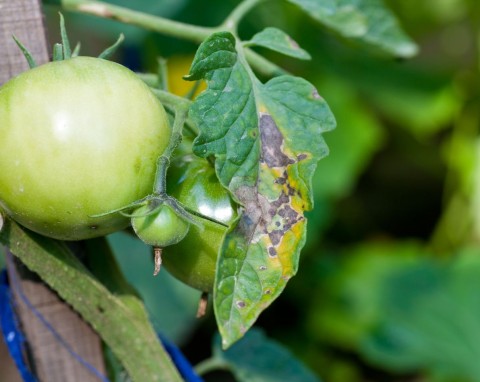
<point x="388" y="282"/>
<point x="171" y="304"/>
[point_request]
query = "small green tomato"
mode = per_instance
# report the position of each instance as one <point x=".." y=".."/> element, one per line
<point x="161" y="228"/>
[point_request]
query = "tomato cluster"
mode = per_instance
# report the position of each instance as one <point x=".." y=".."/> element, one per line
<point x="78" y="138"/>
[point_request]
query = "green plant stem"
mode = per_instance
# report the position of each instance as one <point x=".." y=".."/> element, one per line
<point x="211" y="364"/>
<point x="232" y="21"/>
<point x="160" y="187"/>
<point x="154" y="23"/>
<point x="263" y="66"/>
<point x="125" y="330"/>
<point x="172" y="28"/>
<point x="162" y="74"/>
<point x="168" y="98"/>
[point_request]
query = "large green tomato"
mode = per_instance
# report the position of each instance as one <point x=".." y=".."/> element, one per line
<point x="194" y="183"/>
<point x="78" y="138"/>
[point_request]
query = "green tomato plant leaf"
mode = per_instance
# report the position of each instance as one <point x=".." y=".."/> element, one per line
<point x="266" y="140"/>
<point x="278" y="41"/>
<point x="366" y="20"/>
<point x="431" y="320"/>
<point x="256" y="358"/>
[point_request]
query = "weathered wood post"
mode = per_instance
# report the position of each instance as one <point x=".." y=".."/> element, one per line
<point x="51" y="360"/>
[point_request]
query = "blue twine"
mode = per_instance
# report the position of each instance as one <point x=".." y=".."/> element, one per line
<point x="10" y="330"/>
<point x="16" y="341"/>
<point x="183" y="366"/>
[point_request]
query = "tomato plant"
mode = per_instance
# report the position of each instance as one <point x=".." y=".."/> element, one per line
<point x="78" y="138"/>
<point x="193" y="260"/>
<point x="85" y="147"/>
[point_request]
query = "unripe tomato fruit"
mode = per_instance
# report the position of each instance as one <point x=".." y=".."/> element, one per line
<point x="194" y="183"/>
<point x="78" y="138"/>
<point x="160" y="229"/>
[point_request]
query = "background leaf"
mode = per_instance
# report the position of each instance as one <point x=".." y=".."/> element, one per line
<point x="267" y="139"/>
<point x="256" y="358"/>
<point x="278" y="41"/>
<point x="366" y="20"/>
<point x="351" y="290"/>
<point x="432" y="319"/>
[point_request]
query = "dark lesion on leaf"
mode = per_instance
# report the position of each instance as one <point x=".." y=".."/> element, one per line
<point x="272" y="155"/>
<point x="272" y="252"/>
<point x="272" y="142"/>
<point x="272" y="218"/>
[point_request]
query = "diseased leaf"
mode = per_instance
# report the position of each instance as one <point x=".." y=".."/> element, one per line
<point x="266" y="140"/>
<point x="366" y="20"/>
<point x="257" y="358"/>
<point x="278" y="41"/>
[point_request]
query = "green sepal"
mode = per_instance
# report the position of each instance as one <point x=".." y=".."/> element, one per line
<point x="67" y="51"/>
<point x="107" y="53"/>
<point x="76" y="51"/>
<point x="28" y="56"/>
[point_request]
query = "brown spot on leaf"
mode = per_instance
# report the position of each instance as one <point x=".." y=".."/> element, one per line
<point x="272" y="252"/>
<point x="290" y="214"/>
<point x="272" y="142"/>
<point x="276" y="236"/>
<point x="241" y="304"/>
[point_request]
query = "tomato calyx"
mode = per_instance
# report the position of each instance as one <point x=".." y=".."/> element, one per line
<point x="63" y="51"/>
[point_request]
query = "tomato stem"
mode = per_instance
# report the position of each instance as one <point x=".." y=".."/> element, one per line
<point x="58" y="52"/>
<point x="232" y="21"/>
<point x="172" y="28"/>
<point x="160" y="187"/>
<point x="166" y="97"/>
<point x="162" y="83"/>
<point x="154" y="23"/>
